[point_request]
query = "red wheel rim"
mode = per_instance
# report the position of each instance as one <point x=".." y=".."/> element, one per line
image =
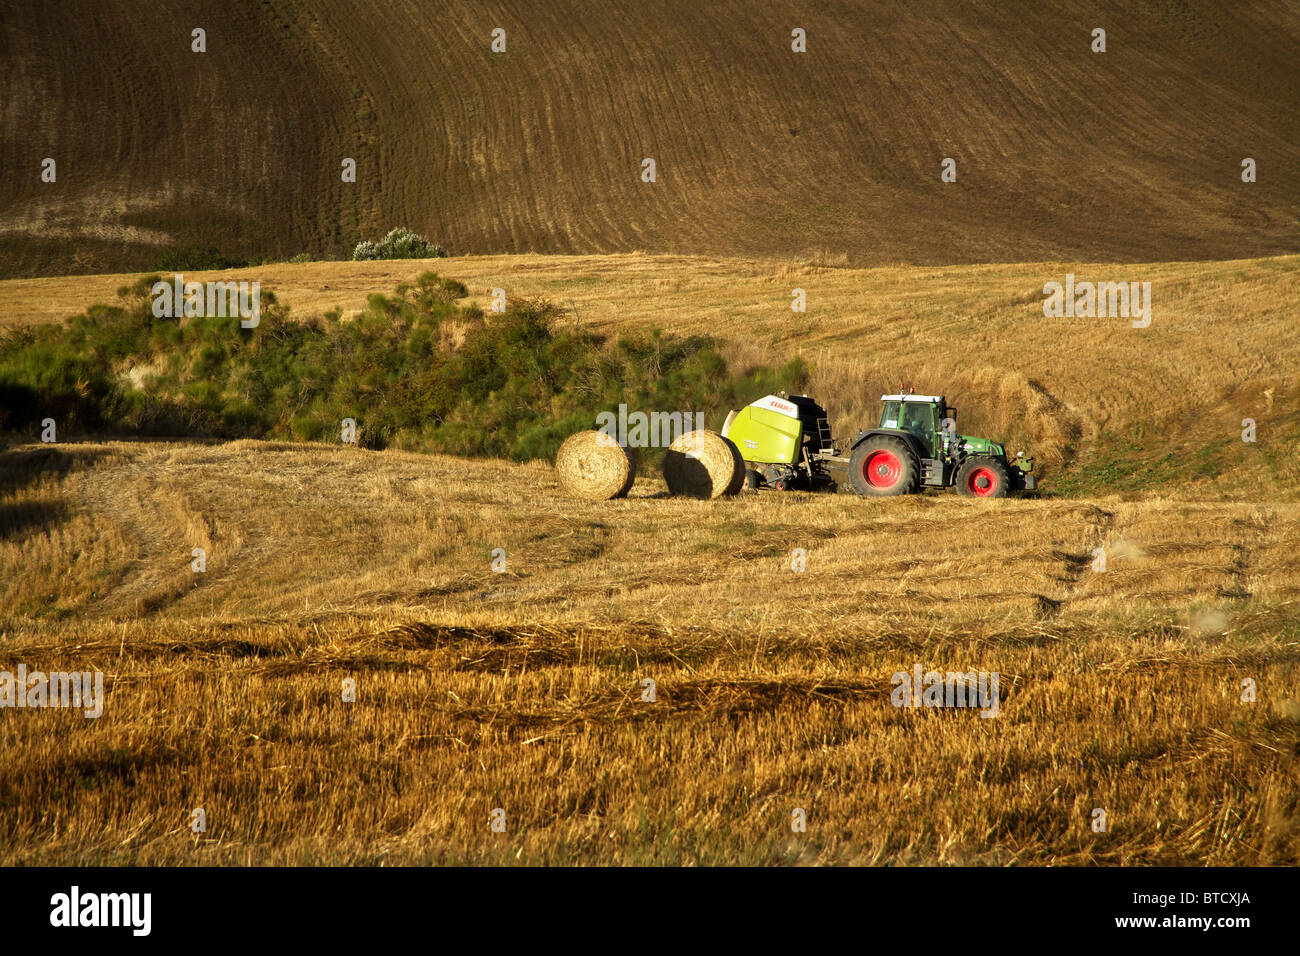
<point x="882" y="469"/>
<point x="982" y="482"/>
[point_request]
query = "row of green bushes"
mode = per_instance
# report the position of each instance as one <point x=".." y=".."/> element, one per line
<point x="399" y="243"/>
<point x="415" y="370"/>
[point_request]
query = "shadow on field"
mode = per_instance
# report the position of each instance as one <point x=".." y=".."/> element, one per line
<point x="16" y="518"/>
<point x="23" y="467"/>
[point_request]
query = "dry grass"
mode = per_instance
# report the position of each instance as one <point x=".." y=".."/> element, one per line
<point x="832" y="156"/>
<point x="522" y="689"/>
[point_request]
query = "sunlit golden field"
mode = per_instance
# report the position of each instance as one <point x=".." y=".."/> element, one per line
<point x="1121" y="689"/>
<point x="522" y="689"/>
<point x="1107" y="406"/>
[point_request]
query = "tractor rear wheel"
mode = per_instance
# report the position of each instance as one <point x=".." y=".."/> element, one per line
<point x="983" y="478"/>
<point x="883" y="465"/>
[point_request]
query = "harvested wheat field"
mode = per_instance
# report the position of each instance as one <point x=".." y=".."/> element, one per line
<point x="523" y="688"/>
<point x="1103" y="405"/>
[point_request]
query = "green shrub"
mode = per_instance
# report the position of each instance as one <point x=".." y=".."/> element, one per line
<point x="195" y="259"/>
<point x="400" y="243"/>
<point x="513" y="385"/>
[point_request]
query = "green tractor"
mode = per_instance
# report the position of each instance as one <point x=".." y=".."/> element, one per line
<point x="786" y="443"/>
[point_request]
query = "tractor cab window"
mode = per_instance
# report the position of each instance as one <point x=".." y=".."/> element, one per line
<point x="918" y="418"/>
<point x="889" y="415"/>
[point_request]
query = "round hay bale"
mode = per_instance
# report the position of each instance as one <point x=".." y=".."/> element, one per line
<point x="592" y="466"/>
<point x="703" y="464"/>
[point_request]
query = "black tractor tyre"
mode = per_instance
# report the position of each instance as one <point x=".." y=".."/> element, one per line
<point x="982" y="477"/>
<point x="883" y="466"/>
<point x="753" y="479"/>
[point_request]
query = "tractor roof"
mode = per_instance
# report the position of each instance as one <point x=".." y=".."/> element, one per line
<point x="911" y="398"/>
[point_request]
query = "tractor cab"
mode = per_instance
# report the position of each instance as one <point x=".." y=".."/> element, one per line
<point x="921" y="416"/>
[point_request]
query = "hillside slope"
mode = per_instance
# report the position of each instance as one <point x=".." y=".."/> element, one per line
<point x="1130" y="155"/>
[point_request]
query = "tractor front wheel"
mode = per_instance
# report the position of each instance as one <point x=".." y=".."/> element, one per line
<point x="883" y="465"/>
<point x="983" y="478"/>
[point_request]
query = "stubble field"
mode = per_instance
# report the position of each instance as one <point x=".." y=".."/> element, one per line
<point x="522" y="689"/>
